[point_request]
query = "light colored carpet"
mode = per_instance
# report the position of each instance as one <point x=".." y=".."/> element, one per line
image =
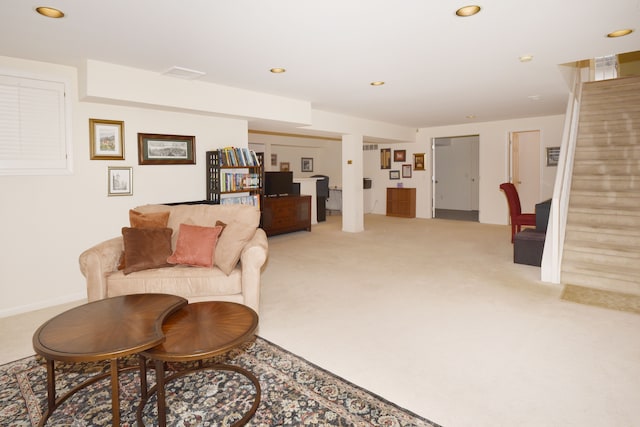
<point x="434" y="316"/>
<point x="602" y="298"/>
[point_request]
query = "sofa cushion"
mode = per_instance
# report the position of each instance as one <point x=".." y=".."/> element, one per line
<point x="241" y="222"/>
<point x="181" y="280"/>
<point x="146" y="248"/>
<point x="148" y="220"/>
<point x="230" y="244"/>
<point x="195" y="245"/>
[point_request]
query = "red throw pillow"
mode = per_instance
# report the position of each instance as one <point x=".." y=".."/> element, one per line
<point x="195" y="246"/>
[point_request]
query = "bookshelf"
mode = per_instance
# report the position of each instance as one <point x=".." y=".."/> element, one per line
<point x="234" y="176"/>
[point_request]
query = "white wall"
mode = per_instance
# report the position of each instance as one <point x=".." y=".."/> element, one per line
<point x="49" y="220"/>
<point x="494" y="155"/>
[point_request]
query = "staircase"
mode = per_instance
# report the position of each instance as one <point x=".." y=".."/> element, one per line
<point x="602" y="241"/>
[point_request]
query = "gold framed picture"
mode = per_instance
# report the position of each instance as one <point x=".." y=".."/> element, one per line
<point x="107" y="139"/>
<point x="418" y="162"/>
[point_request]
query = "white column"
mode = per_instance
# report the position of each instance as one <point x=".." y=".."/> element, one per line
<point x="352" y="192"/>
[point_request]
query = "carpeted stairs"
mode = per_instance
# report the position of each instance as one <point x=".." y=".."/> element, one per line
<point x="602" y="243"/>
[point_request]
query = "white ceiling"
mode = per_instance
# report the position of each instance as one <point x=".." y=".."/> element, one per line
<point x="438" y="68"/>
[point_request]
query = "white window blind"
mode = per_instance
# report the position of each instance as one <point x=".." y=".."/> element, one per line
<point x="33" y="127"/>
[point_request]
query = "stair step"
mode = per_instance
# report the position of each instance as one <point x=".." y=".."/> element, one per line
<point x="605" y="183"/>
<point x="610" y="139"/>
<point x="604" y="218"/>
<point x="624" y="167"/>
<point x="603" y="253"/>
<point x="622" y="84"/>
<point x="583" y="275"/>
<point x="605" y="199"/>
<point x="593" y="236"/>
<point x="606" y="126"/>
<point x="607" y="152"/>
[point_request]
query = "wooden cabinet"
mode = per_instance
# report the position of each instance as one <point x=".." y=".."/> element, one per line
<point x="401" y="202"/>
<point x="285" y="214"/>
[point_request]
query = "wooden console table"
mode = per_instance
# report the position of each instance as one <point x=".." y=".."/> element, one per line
<point x="285" y="214"/>
<point x="401" y="202"/>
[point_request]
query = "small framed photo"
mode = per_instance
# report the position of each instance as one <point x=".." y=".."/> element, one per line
<point x="406" y="171"/>
<point x="154" y="149"/>
<point x="385" y="158"/>
<point x="306" y="164"/>
<point x="395" y="174"/>
<point x="284" y="166"/>
<point x="120" y="181"/>
<point x="418" y="162"/>
<point x="399" y="155"/>
<point x="553" y="154"/>
<point x="107" y="139"/>
<point x="274" y="159"/>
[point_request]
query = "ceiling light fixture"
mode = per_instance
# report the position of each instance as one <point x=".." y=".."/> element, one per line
<point x="278" y="70"/>
<point x="471" y="116"/>
<point x="620" y="33"/>
<point x="526" y="58"/>
<point x="468" y="10"/>
<point x="377" y="83"/>
<point x="184" y="73"/>
<point x="49" y="12"/>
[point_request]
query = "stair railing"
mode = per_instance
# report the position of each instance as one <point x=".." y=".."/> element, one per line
<point x="551" y="266"/>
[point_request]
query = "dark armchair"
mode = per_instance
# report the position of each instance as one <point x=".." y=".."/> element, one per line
<point x="518" y="219"/>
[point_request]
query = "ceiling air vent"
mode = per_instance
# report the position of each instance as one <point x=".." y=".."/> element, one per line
<point x="183" y="73"/>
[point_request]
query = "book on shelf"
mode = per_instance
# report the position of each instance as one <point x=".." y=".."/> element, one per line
<point x="252" y="200"/>
<point x="238" y="157"/>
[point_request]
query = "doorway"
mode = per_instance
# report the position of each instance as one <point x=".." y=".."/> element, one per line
<point x="456" y="190"/>
<point x="525" y="167"/>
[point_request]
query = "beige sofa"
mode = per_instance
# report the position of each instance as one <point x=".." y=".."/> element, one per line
<point x="240" y="253"/>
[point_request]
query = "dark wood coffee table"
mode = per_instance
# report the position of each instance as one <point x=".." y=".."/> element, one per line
<point x="107" y="329"/>
<point x="196" y="332"/>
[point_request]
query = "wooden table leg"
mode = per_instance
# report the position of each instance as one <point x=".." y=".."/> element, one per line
<point x="162" y="403"/>
<point x="115" y="393"/>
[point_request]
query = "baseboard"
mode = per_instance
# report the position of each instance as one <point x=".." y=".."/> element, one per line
<point x="12" y="311"/>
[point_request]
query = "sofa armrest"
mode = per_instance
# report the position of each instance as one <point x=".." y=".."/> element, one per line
<point x="252" y="258"/>
<point x="98" y="261"/>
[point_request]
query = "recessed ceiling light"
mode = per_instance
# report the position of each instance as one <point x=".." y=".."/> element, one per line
<point x="534" y="97"/>
<point x="526" y="58"/>
<point x="377" y="83"/>
<point x="278" y="70"/>
<point x="470" y="116"/>
<point x="468" y="10"/>
<point x="620" y="33"/>
<point x="49" y="12"/>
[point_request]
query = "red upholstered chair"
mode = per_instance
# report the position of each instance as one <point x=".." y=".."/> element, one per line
<point x="518" y="219"/>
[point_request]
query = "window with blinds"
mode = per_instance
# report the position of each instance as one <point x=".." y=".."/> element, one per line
<point x="34" y="138"/>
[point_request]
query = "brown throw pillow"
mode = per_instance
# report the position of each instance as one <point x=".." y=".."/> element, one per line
<point x="146" y="248"/>
<point x="148" y="220"/>
<point x="195" y="245"/>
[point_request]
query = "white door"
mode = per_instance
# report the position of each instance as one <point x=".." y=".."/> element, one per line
<point x="525" y="167"/>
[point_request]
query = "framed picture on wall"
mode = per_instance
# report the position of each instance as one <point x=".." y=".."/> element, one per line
<point x="284" y="166"/>
<point x="107" y="139"/>
<point x="399" y="155"/>
<point x="274" y="159"/>
<point x="119" y="181"/>
<point x="385" y="158"/>
<point x="418" y="161"/>
<point x="154" y="149"/>
<point x="553" y="154"/>
<point x="306" y="164"/>
<point x="406" y="171"/>
<point x="395" y="174"/>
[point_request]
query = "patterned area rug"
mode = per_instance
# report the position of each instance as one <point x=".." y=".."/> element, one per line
<point x="601" y="298"/>
<point x="294" y="392"/>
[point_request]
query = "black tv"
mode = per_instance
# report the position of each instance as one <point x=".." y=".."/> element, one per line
<point x="278" y="183"/>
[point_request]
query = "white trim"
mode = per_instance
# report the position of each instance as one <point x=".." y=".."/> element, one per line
<point x="12" y="311"/>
